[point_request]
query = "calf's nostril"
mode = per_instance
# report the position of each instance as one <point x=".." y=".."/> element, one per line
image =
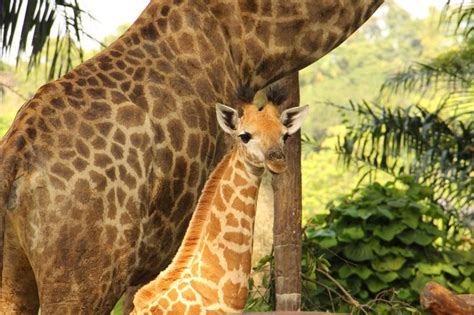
<point x="276" y="155"/>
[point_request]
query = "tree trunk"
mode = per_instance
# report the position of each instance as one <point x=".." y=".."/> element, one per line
<point x="287" y="222"/>
<point x="440" y="301"/>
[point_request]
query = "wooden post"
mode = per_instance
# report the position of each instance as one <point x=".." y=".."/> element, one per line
<point x="287" y="222"/>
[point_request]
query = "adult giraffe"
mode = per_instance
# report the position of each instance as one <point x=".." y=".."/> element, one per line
<point x="101" y="169"/>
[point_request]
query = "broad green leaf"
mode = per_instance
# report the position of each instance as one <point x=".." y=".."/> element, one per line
<point x="405" y="252"/>
<point x="406" y="272"/>
<point x="466" y="270"/>
<point x="354" y="232"/>
<point x="419" y="282"/>
<point x="383" y="210"/>
<point x="387" y="277"/>
<point x="405" y="294"/>
<point x="361" y="271"/>
<point x="359" y="251"/>
<point x="468" y="285"/>
<point x="448" y="268"/>
<point x="327" y="242"/>
<point x="415" y="236"/>
<point x="411" y="218"/>
<point x="375" y="285"/>
<point x="388" y="232"/>
<point x="388" y="263"/>
<point x="397" y="202"/>
<point x="430" y="269"/>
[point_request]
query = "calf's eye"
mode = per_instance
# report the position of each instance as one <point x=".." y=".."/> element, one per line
<point x="245" y="137"/>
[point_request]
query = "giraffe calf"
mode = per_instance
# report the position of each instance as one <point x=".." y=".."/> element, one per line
<point x="210" y="272"/>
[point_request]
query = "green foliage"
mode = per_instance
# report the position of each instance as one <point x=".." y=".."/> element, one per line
<point x="381" y="244"/>
<point x="391" y="237"/>
<point x="413" y="140"/>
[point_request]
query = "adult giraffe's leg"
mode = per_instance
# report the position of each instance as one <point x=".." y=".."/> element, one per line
<point x="19" y="294"/>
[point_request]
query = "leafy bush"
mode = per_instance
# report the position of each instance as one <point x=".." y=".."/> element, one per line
<point x="379" y="247"/>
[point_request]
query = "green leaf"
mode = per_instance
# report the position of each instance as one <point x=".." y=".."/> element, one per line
<point x="415" y="236"/>
<point x="383" y="210"/>
<point x="405" y="294"/>
<point x="448" y="268"/>
<point x="359" y="251"/>
<point x="387" y="277"/>
<point x="388" y="232"/>
<point x="430" y="269"/>
<point x="388" y="263"/>
<point x="327" y="242"/>
<point x="466" y="270"/>
<point x="361" y="271"/>
<point x="375" y="285"/>
<point x="419" y="282"/>
<point x="405" y="252"/>
<point x="354" y="232"/>
<point x="411" y="218"/>
<point x="406" y="272"/>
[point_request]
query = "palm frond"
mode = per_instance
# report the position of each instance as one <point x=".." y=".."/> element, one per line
<point x="437" y="151"/>
<point x="38" y="17"/>
<point x="453" y="70"/>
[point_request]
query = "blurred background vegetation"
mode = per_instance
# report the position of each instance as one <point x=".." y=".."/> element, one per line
<point x="387" y="162"/>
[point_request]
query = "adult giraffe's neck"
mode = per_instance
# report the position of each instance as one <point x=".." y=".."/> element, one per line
<point x="215" y="255"/>
<point x="270" y="39"/>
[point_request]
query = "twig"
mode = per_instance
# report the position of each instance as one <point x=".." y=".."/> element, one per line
<point x="340" y="287"/>
<point x="13" y="90"/>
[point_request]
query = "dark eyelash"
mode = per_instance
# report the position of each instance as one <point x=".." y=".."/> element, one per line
<point x="245" y="137"/>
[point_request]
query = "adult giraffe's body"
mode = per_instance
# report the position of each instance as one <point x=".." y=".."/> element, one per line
<point x="101" y="169"/>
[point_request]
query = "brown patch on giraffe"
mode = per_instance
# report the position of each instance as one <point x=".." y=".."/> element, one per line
<point x="227" y="192"/>
<point x="62" y="170"/>
<point x="244" y="223"/>
<point x="67" y="154"/>
<point x="118" y="98"/>
<point x="213" y="229"/>
<point x="231" y="220"/>
<point x="249" y="192"/>
<point x="82" y="148"/>
<point x="239" y="205"/>
<point x="236" y="238"/>
<point x="99" y="180"/>
<point x="120" y="196"/>
<point x="106" y="81"/>
<point x="235" y="294"/>
<point x="209" y="295"/>
<point x="104" y="128"/>
<point x="139" y="74"/>
<point x="239" y="180"/>
<point x="82" y="191"/>
<point x="193" y="174"/>
<point x="80" y="164"/>
<point x="149" y="32"/>
<point x="58" y="103"/>
<point x="99" y="143"/>
<point x="312" y="40"/>
<point x="86" y="131"/>
<point x="189" y="295"/>
<point x="210" y="267"/>
<point x="119" y="136"/>
<point x="134" y="163"/>
<point x="176" y="134"/>
<point x="110" y="173"/>
<point x="110" y="234"/>
<point x="178" y="308"/>
<point x="117" y="151"/>
<point x="192" y="149"/>
<point x="233" y="259"/>
<point x="70" y="119"/>
<point x="130" y="116"/>
<point x="111" y="205"/>
<point x="102" y="160"/>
